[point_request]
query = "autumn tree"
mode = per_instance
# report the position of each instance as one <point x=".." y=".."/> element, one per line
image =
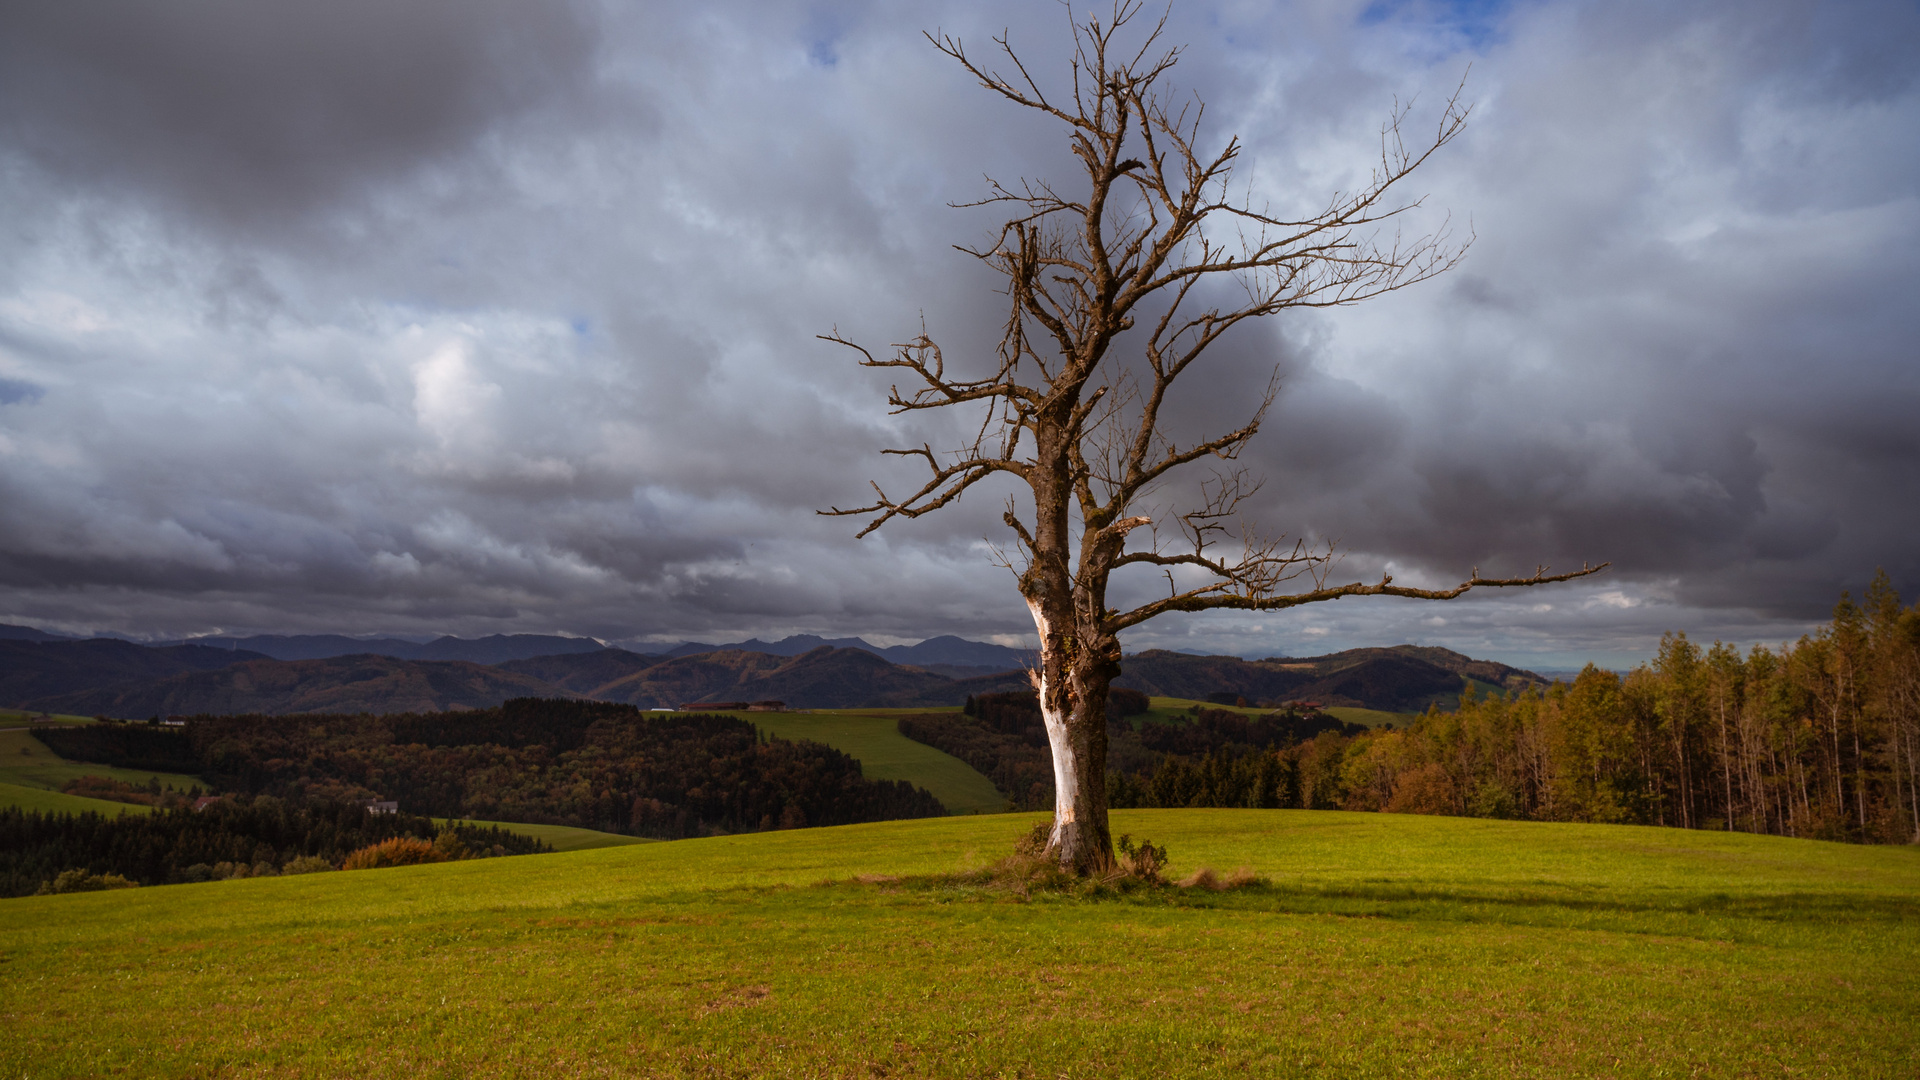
<point x="1113" y="283"/>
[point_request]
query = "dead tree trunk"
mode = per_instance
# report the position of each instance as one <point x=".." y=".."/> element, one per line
<point x="1125" y="252"/>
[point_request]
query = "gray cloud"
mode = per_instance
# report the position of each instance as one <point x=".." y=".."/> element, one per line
<point x="243" y="112"/>
<point x="440" y="317"/>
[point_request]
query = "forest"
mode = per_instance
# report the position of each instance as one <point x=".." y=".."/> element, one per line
<point x="595" y="765"/>
<point x="234" y="837"/>
<point x="1817" y="738"/>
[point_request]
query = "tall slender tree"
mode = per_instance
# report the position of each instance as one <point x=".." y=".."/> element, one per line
<point x="1125" y="261"/>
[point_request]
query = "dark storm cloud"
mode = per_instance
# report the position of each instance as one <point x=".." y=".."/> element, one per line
<point x="244" y="111"/>
<point x="474" y="318"/>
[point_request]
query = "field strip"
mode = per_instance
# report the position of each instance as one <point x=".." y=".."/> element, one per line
<point x="885" y="754"/>
<point x="54" y="802"/>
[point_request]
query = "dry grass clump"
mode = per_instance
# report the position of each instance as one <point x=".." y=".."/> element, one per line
<point x="1206" y="878"/>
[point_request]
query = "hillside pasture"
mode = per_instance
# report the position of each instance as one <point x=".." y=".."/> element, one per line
<point x="1165" y="710"/>
<point x="1383" y="945"/>
<point x="53" y="802"/>
<point x="9" y="717"/>
<point x="873" y="736"/>
<point x="564" y="837"/>
<point x="1372" y="718"/>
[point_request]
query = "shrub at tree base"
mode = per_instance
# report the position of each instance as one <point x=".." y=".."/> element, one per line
<point x="399" y="851"/>
<point x="1145" y="861"/>
<point x="1029" y="871"/>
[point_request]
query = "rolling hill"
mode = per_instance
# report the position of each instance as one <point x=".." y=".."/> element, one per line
<point x="494" y="649"/>
<point x="31" y="670"/>
<point x="822" y="678"/>
<point x="347" y="684"/>
<point x="946" y="651"/>
<point x="1384" y="945"/>
<point x="121" y="678"/>
<point x="584" y="673"/>
<point x="1403" y="678"/>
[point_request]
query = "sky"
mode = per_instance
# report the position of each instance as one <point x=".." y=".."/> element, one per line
<point x="489" y="317"/>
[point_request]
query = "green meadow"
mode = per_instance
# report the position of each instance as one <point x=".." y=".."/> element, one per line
<point x="10" y="716"/>
<point x="54" y="802"/>
<point x="565" y="837"/>
<point x="1167" y="709"/>
<point x="1379" y="945"/>
<point x="1368" y="717"/>
<point x="873" y="736"/>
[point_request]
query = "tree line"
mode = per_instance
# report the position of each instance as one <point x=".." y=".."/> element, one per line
<point x="596" y="765"/>
<point x="1817" y="738"/>
<point x="235" y="837"/>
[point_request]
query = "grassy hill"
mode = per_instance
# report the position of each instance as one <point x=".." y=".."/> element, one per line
<point x="1403" y="678"/>
<point x="53" y="802"/>
<point x="566" y="837"/>
<point x="30" y="670"/>
<point x="874" y="737"/>
<point x="1385" y="945"/>
<point x="345" y="684"/>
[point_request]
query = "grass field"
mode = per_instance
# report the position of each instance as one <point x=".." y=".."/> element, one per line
<point x="9" y="716"/>
<point x="873" y="736"/>
<point x="53" y="802"/>
<point x="1368" y="717"/>
<point x="1166" y="709"/>
<point x="564" y="837"/>
<point x="1385" y="945"/>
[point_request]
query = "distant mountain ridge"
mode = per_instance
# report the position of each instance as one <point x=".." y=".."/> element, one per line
<point x="1400" y="678"/>
<point x="31" y="670"/>
<point x="821" y="678"/>
<point x="945" y="650"/>
<point x="494" y="649"/>
<point x="10" y="632"/>
<point x="364" y="683"/>
<point x="121" y="678"/>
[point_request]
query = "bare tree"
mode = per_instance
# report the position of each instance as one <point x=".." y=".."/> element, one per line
<point x="1134" y="253"/>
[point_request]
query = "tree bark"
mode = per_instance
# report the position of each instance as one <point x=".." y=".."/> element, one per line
<point x="1074" y="709"/>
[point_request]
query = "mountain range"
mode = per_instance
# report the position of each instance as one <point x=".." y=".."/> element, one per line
<point x="339" y="684"/>
<point x="949" y="655"/>
<point x="935" y="654"/>
<point x="495" y="649"/>
<point x="1402" y="678"/>
<point x="280" y="675"/>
